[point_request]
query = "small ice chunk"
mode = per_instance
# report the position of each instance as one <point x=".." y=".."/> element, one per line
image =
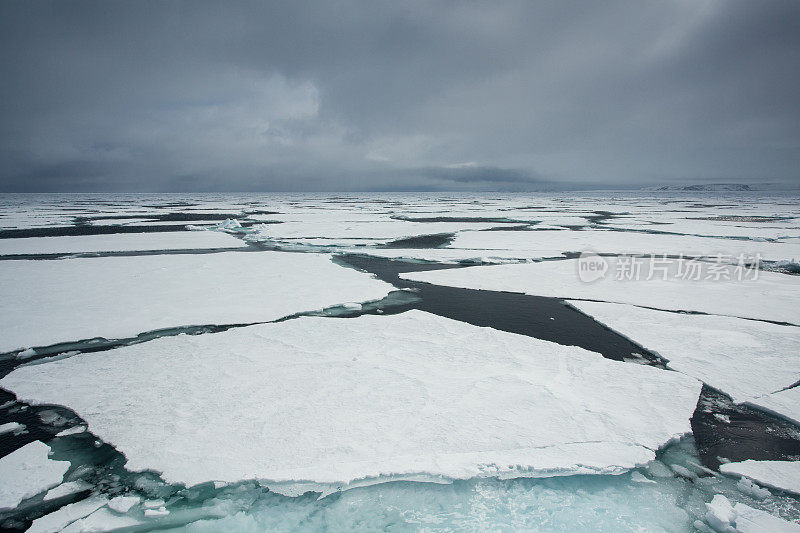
<point x="720" y="515"/>
<point x="152" y="504"/>
<point x="161" y="511"/>
<point x="725" y="419"/>
<point x="71" y="431"/>
<point x="122" y="504"/>
<point x="352" y="305"/>
<point x="683" y="471"/>
<point x="10" y="427"/>
<point x="658" y="469"/>
<point x="26" y="354"/>
<point x="638" y="477"/>
<point x="27" y="472"/>
<point x="781" y="475"/>
<point x="67" y="488"/>
<point x="746" y="486"/>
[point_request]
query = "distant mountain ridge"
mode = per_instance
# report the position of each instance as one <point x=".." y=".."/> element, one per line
<point x="726" y="187"/>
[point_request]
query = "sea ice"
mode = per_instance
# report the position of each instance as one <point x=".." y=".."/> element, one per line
<point x="771" y="296"/>
<point x="27" y="472"/>
<point x="121" y="242"/>
<point x="782" y="475"/>
<point x="553" y="243"/>
<point x="785" y="403"/>
<point x="120" y="297"/>
<point x="123" y="504"/>
<point x="742" y="358"/>
<point x="749" y="520"/>
<point x="67" y="488"/>
<point x="60" y="519"/>
<point x="102" y="520"/>
<point x="10" y="427"/>
<point x="369" y="399"/>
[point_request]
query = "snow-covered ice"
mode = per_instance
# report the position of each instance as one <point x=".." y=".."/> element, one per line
<point x="554" y="243"/>
<point x="785" y="403"/>
<point x="119" y="297"/>
<point x="58" y="520"/>
<point x="742" y="358"/>
<point x="332" y="401"/>
<point x="28" y="471"/>
<point x="749" y="520"/>
<point x="11" y="427"/>
<point x="771" y="296"/>
<point x="67" y="488"/>
<point x="120" y="242"/>
<point x="123" y="504"/>
<point x="783" y="475"/>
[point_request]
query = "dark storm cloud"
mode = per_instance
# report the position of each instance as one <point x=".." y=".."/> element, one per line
<point x="168" y="96"/>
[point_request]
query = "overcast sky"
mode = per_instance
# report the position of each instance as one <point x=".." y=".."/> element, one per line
<point x="396" y="95"/>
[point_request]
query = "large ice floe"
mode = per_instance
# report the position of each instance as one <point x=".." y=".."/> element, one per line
<point x="120" y="297"/>
<point x="27" y="472"/>
<point x="121" y="242"/>
<point x="745" y="359"/>
<point x="768" y="296"/>
<point x="553" y="243"/>
<point x="782" y="475"/>
<point x="336" y="403"/>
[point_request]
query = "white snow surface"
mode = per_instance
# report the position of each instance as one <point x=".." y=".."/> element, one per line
<point x="785" y="403"/>
<point x="28" y="471"/>
<point x="553" y="243"/>
<point x="335" y="401"/>
<point x="772" y="296"/>
<point x="120" y="242"/>
<point x="743" y="358"/>
<point x="119" y="297"/>
<point x="58" y="520"/>
<point x="749" y="520"/>
<point x="783" y="475"/>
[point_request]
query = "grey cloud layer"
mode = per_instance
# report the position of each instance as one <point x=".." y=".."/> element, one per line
<point x="379" y="95"/>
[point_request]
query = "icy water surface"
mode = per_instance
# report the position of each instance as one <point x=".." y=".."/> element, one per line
<point x="380" y="236"/>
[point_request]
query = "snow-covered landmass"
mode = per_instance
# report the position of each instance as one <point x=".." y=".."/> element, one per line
<point x="742" y="358"/>
<point x="335" y="401"/>
<point x="121" y="242"/>
<point x="28" y="471"/>
<point x="785" y="403"/>
<point x="782" y="475"/>
<point x="118" y="297"/>
<point x="771" y="296"/>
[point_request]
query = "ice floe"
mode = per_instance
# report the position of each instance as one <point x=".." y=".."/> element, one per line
<point x="770" y="296"/>
<point x="723" y="517"/>
<point x="337" y="402"/>
<point x="785" y="403"/>
<point x="119" y="297"/>
<point x="742" y="358"/>
<point x="11" y="427"/>
<point x="28" y="471"/>
<point x="782" y="475"/>
<point x="554" y="243"/>
<point x="66" y="489"/>
<point x="121" y="242"/>
<point x="58" y="520"/>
